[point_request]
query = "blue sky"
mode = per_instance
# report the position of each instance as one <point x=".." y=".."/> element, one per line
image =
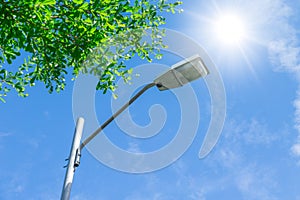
<point x="256" y="157"/>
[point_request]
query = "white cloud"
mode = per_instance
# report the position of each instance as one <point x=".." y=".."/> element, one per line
<point x="79" y="197"/>
<point x="296" y="149"/>
<point x="232" y="166"/>
<point x="273" y="24"/>
<point x="5" y="134"/>
<point x="140" y="196"/>
<point x="14" y="184"/>
<point x="236" y="163"/>
<point x="277" y="19"/>
<point x="2" y="136"/>
<point x="133" y="147"/>
<point x="270" y="23"/>
<point x="250" y="132"/>
<point x="282" y="41"/>
<point x="258" y="133"/>
<point x="256" y="183"/>
<point x="285" y="54"/>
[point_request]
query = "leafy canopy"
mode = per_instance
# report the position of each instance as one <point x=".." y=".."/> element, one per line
<point x="73" y="36"/>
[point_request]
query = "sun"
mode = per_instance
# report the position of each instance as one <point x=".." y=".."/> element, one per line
<point x="230" y="29"/>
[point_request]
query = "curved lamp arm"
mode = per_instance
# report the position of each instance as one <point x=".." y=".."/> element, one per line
<point x="96" y="132"/>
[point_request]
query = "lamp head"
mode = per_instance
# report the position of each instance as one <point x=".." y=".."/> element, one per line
<point x="181" y="73"/>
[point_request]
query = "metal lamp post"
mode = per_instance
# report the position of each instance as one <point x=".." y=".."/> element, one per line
<point x="180" y="73"/>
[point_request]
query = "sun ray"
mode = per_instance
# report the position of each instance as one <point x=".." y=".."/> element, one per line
<point x="248" y="62"/>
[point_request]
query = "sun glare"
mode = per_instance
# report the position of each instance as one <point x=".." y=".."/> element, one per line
<point x="230" y="29"/>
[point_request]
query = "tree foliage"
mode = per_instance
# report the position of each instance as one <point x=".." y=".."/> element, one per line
<point x="73" y="36"/>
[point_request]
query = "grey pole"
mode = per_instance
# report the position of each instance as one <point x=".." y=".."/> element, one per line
<point x="73" y="160"/>
<point x="75" y="154"/>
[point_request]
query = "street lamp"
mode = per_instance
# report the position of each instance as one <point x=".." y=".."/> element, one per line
<point x="180" y="73"/>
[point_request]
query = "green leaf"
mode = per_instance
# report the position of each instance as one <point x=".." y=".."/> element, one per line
<point x="158" y="56"/>
<point x="78" y="1"/>
<point x="115" y="96"/>
<point x="61" y="36"/>
<point x="1" y="99"/>
<point x="130" y="71"/>
<point x="112" y="27"/>
<point x="48" y="2"/>
<point x="93" y="30"/>
<point x="84" y="6"/>
<point x="88" y="21"/>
